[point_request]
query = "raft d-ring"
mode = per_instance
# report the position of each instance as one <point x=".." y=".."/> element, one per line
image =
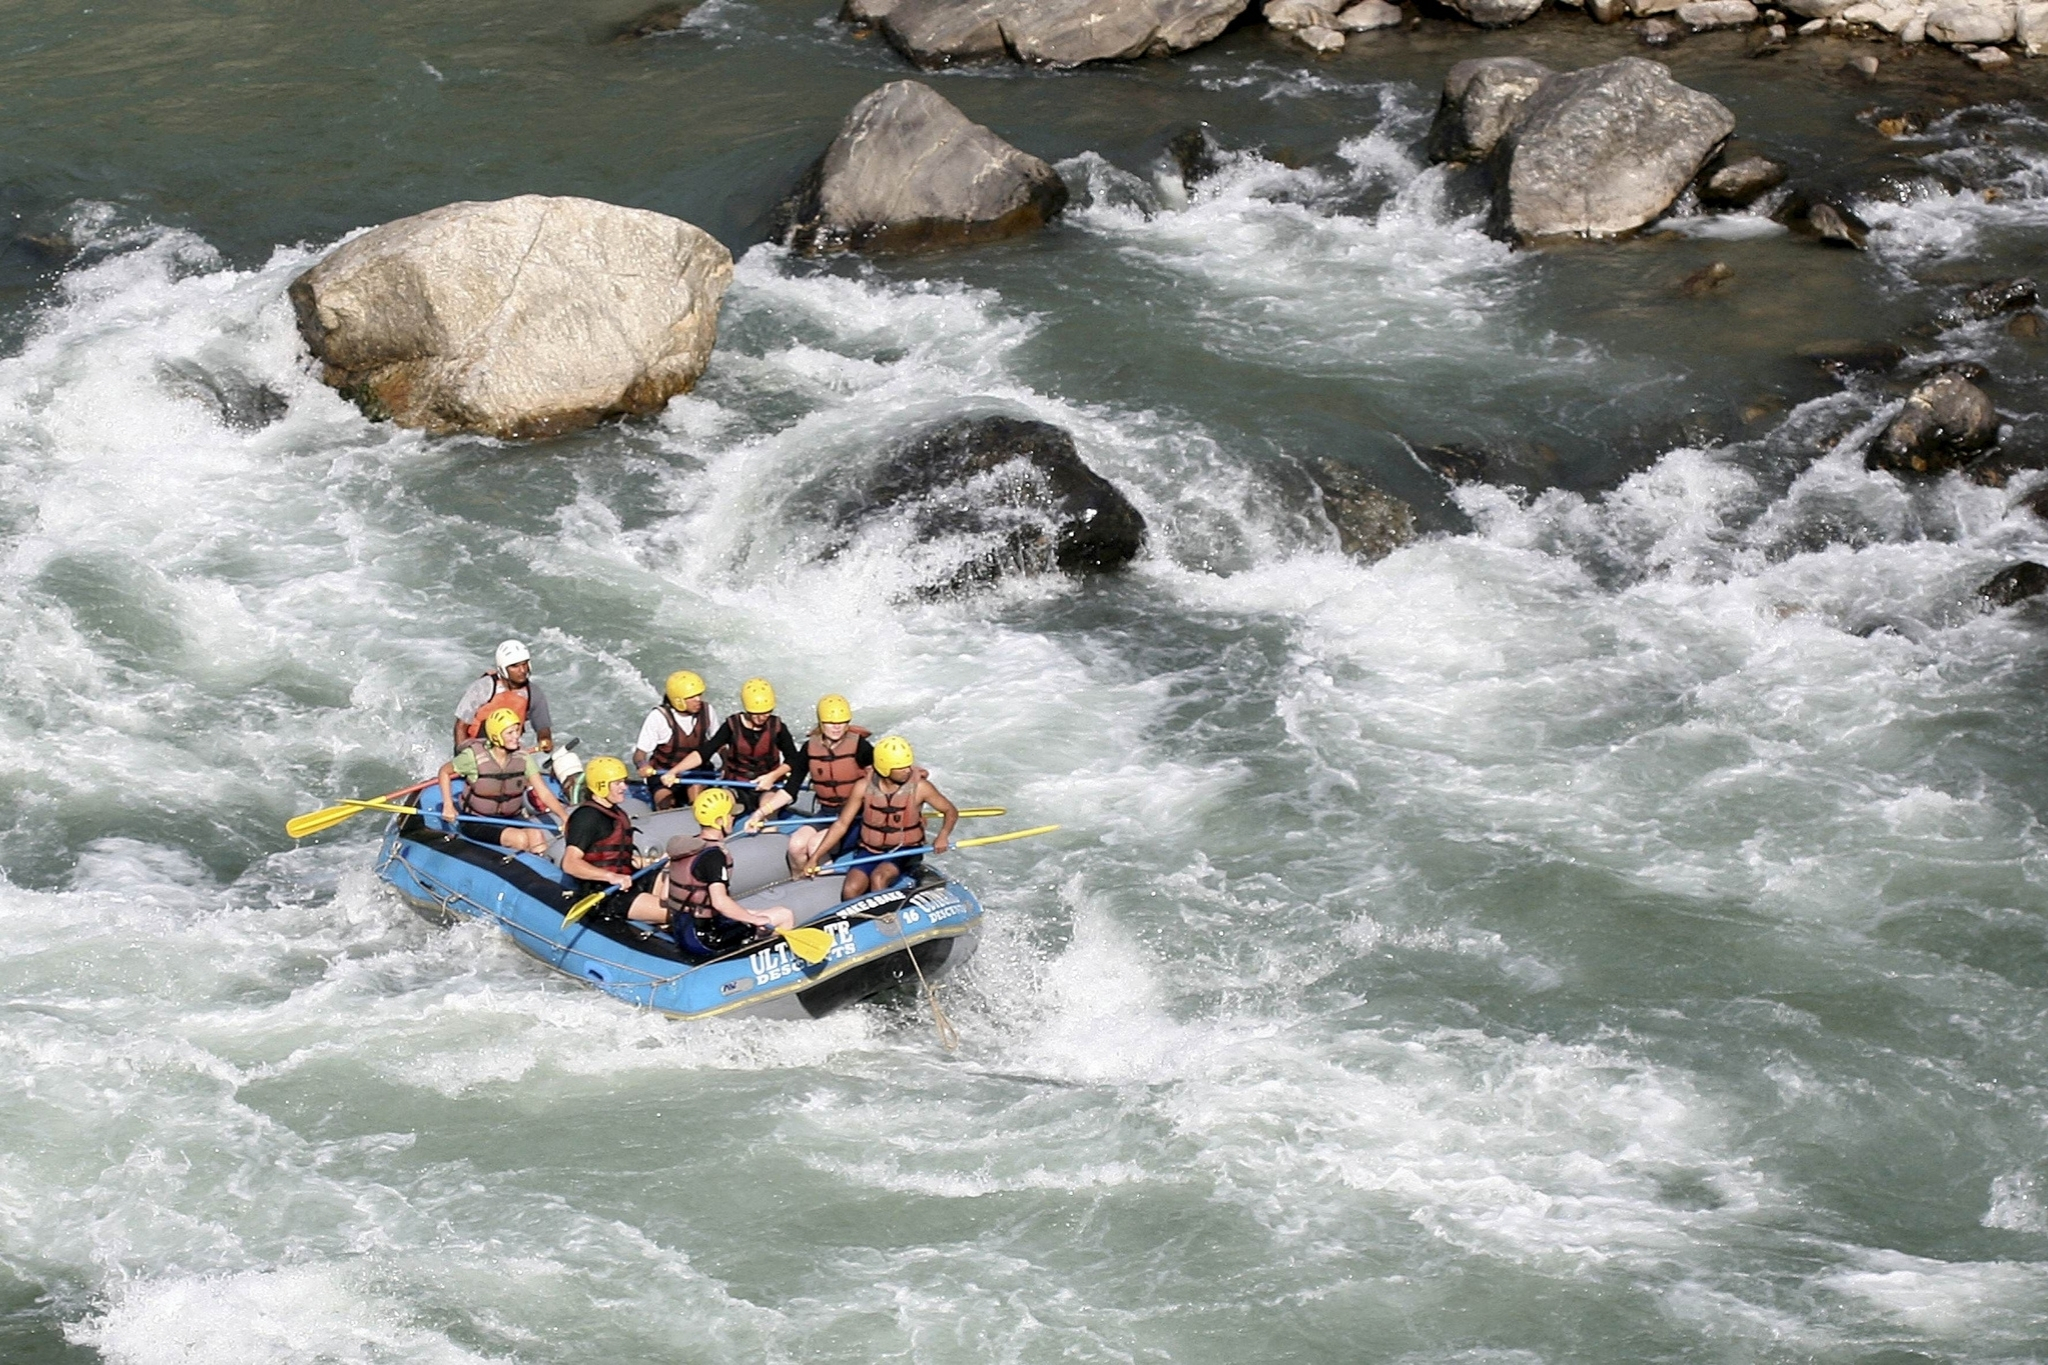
<point x="594" y="974"/>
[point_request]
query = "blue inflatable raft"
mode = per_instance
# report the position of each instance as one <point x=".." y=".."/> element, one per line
<point x="937" y="919"/>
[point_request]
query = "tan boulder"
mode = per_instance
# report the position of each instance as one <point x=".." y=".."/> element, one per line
<point x="516" y="318"/>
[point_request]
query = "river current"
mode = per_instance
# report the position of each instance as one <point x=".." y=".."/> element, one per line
<point x="1610" y="929"/>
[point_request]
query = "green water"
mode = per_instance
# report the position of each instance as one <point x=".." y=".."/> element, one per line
<point x="1611" y="929"/>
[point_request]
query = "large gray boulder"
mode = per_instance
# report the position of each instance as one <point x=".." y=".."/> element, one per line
<point x="1602" y="151"/>
<point x="518" y="318"/>
<point x="909" y="171"/>
<point x="934" y="33"/>
<point x="1482" y="98"/>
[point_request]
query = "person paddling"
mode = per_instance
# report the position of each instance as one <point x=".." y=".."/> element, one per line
<point x="599" y="845"/>
<point x="754" y="746"/>
<point x="889" y="804"/>
<point x="674" y="740"/>
<point x="695" y="890"/>
<point x="836" y="756"/>
<point x="508" y="684"/>
<point x="499" y="779"/>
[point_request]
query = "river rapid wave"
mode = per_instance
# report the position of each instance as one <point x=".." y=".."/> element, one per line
<point x="1610" y="928"/>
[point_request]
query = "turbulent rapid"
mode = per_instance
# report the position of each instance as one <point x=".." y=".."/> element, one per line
<point x="1609" y="928"/>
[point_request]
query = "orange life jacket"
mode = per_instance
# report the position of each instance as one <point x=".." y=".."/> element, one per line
<point x="506" y="698"/>
<point x="890" y="822"/>
<point x="835" y="770"/>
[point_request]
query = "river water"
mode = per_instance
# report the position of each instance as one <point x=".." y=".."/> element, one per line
<point x="1610" y="929"/>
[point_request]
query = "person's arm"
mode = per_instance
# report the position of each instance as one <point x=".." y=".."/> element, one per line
<point x="775" y="916"/>
<point x="848" y="813"/>
<point x="538" y="716"/>
<point x="448" y="794"/>
<point x="581" y="868"/>
<point x="864" y="754"/>
<point x="721" y="739"/>
<point x="653" y="731"/>
<point x="932" y="796"/>
<point x="791" y="774"/>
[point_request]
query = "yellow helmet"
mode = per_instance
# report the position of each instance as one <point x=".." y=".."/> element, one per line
<point x="682" y="686"/>
<point x="834" y="710"/>
<point x="756" y="696"/>
<point x="892" y="754"/>
<point x="503" y="723"/>
<point x="713" y="806"/>
<point x="600" y="773"/>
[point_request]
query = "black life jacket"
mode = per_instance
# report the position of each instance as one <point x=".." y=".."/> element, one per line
<point x="889" y="822"/>
<point x="614" y="852"/>
<point x="687" y="894"/>
<point x="678" y="745"/>
<point x="835" y="770"/>
<point x="499" y="790"/>
<point x="751" y="752"/>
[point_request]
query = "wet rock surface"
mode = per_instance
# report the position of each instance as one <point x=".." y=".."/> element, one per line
<point x="515" y="318"/>
<point x="1945" y="420"/>
<point x="2014" y="583"/>
<point x="1016" y="479"/>
<point x="1482" y="98"/>
<point x="1370" y="522"/>
<point x="1740" y="183"/>
<point x="909" y="172"/>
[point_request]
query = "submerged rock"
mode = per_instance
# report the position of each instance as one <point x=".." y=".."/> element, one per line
<point x="1944" y="420"/>
<point x="241" y="403"/>
<point x="909" y="171"/>
<point x="1371" y="523"/>
<point x="1196" y="154"/>
<point x="1456" y="463"/>
<point x="1993" y="297"/>
<point x="653" y="23"/>
<point x="2014" y="583"/>
<point x="1844" y="358"/>
<point x="1706" y="280"/>
<point x="1837" y="226"/>
<point x="1017" y="479"/>
<point x="1602" y="151"/>
<point x="1482" y="99"/>
<point x="516" y="318"/>
<point x="935" y="33"/>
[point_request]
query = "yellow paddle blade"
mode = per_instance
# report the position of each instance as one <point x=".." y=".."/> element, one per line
<point x="312" y="822"/>
<point x="581" y="908"/>
<point x="383" y="805"/>
<point x="812" y="945"/>
<point x="971" y="812"/>
<point x="1005" y="838"/>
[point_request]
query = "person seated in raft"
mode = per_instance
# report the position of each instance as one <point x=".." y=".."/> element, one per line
<point x="509" y="683"/>
<point x="696" y="888"/>
<point x="889" y="804"/>
<point x="754" y="746"/>
<point x="500" y="779"/>
<point x="836" y="756"/>
<point x="673" y="740"/>
<point x="599" y="845"/>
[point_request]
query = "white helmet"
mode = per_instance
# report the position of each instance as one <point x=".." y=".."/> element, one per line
<point x="512" y="652"/>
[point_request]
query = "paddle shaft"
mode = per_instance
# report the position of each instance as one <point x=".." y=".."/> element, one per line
<point x="443" y="815"/>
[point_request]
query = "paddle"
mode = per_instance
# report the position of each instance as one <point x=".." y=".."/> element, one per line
<point x="688" y="779"/>
<point x="971" y="813"/>
<point x="810" y="945"/>
<point x="844" y="863"/>
<point x="327" y="817"/>
<point x="466" y="819"/>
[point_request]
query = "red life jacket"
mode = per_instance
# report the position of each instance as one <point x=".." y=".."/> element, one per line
<point x="889" y="822"/>
<point x="687" y="895"/>
<point x="506" y="698"/>
<point x="834" y="769"/>
<point x="678" y="745"/>
<point x="614" y="852"/>
<point x="499" y="790"/>
<point x="751" y="752"/>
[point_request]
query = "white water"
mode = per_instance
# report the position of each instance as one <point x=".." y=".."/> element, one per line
<point x="1613" y="933"/>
